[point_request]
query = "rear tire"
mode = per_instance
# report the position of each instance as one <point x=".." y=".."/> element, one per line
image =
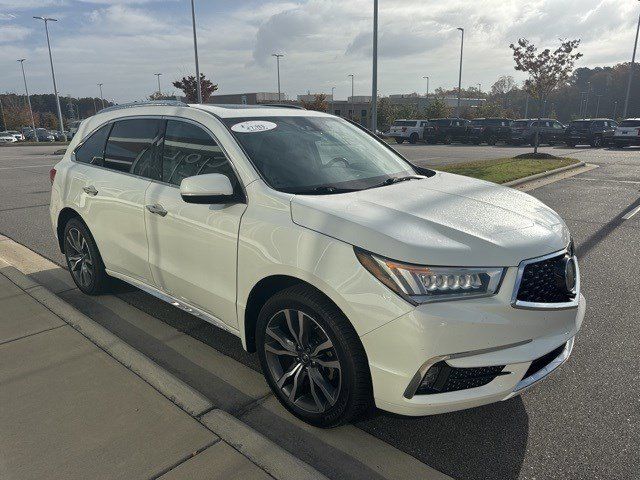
<point x="448" y="139"/>
<point x="596" y="142"/>
<point x="83" y="259"/>
<point x="319" y="372"/>
<point x="413" y="139"/>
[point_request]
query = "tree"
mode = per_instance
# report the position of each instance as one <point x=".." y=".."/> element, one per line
<point x="547" y="69"/>
<point x="189" y="86"/>
<point x="319" y="103"/>
<point x="503" y="87"/>
<point x="438" y="109"/>
<point x="385" y="114"/>
<point x="162" y="96"/>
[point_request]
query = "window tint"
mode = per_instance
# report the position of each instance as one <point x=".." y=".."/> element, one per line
<point x="188" y="151"/>
<point x="92" y="149"/>
<point x="130" y="147"/>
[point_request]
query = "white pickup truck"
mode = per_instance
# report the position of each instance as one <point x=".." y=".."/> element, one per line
<point x="628" y="133"/>
<point x="411" y="130"/>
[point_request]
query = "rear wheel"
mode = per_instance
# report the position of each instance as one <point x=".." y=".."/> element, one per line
<point x="448" y="139"/>
<point x="413" y="139"/>
<point x="83" y="258"/>
<point x="312" y="358"/>
<point x="596" y="142"/>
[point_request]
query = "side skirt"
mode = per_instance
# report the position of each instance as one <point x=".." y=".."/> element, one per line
<point x="175" y="302"/>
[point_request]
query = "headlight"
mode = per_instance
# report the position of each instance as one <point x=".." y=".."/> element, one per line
<point x="423" y="284"/>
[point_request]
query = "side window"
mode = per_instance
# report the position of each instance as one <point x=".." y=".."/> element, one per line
<point x="131" y="147"/>
<point x="92" y="149"/>
<point x="188" y="151"/>
<point x="557" y="125"/>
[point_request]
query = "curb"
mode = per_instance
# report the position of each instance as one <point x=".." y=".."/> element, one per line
<point x="274" y="460"/>
<point x="538" y="176"/>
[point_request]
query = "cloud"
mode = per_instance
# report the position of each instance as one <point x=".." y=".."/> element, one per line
<point x="13" y="33"/>
<point x="7" y="16"/>
<point x="29" y="4"/>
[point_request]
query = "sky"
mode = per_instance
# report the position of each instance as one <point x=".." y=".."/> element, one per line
<point x="122" y="43"/>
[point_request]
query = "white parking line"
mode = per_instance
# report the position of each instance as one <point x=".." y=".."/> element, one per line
<point x="631" y="213"/>
<point x="611" y="180"/>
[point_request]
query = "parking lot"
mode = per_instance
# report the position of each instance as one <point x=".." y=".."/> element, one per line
<point x="582" y="422"/>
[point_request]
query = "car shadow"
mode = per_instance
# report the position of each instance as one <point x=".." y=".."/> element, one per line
<point x="487" y="442"/>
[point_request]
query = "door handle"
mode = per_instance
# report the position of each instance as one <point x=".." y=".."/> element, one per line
<point x="157" y="209"/>
<point x="90" y="190"/>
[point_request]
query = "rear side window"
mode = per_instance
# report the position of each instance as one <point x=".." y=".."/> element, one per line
<point x="630" y="123"/>
<point x="131" y="147"/>
<point x="189" y="151"/>
<point x="92" y="149"/>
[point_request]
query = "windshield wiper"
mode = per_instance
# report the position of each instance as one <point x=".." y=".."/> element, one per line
<point x="392" y="180"/>
<point x="322" y="189"/>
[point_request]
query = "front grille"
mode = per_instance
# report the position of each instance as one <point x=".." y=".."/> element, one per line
<point x="442" y="377"/>
<point x="539" y="363"/>
<point x="544" y="282"/>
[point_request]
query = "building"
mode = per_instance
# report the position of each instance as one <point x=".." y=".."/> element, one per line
<point x="256" y="98"/>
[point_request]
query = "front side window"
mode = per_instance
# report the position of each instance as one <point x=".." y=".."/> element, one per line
<point x="308" y="155"/>
<point x="188" y="151"/>
<point x="131" y="147"/>
<point x="92" y="149"/>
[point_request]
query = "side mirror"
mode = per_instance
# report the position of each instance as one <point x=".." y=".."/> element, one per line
<point x="207" y="189"/>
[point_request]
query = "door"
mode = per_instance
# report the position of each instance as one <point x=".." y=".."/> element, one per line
<point x="193" y="248"/>
<point x="558" y="131"/>
<point x="113" y="194"/>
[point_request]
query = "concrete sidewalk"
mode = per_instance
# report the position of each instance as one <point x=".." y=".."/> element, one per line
<point x="69" y="409"/>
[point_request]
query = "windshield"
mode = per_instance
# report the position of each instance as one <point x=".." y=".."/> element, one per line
<point x="306" y="154"/>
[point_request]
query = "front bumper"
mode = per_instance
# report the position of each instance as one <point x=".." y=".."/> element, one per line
<point x="467" y="334"/>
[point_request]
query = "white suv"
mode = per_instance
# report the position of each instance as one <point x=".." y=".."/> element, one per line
<point x="410" y="130"/>
<point x="359" y="279"/>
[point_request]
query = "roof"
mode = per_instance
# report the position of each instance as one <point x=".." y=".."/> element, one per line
<point x="232" y="111"/>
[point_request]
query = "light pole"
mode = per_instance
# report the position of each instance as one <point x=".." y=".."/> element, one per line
<point x="101" y="96"/>
<point x="159" y="89"/>
<point x="615" y="109"/>
<point x="278" y="57"/>
<point x="352" y="104"/>
<point x="53" y="74"/>
<point x="374" y="81"/>
<point x="460" y="72"/>
<point x="333" y="92"/>
<point x="631" y="69"/>
<point x="479" y="88"/>
<point x="427" y="78"/>
<point x="586" y="101"/>
<point x="24" y="77"/>
<point x="598" y="105"/>
<point x="195" y="52"/>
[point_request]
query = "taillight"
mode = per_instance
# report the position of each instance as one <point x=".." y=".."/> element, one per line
<point x="52" y="175"/>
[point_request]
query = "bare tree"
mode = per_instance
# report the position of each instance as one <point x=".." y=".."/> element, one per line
<point x="547" y="70"/>
<point x="503" y="87"/>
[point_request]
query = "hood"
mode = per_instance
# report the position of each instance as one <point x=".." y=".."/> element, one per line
<point x="446" y="220"/>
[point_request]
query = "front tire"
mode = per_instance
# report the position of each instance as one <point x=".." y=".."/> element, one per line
<point x="312" y="358"/>
<point x="83" y="259"/>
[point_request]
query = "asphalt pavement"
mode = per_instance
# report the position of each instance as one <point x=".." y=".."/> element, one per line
<point x="582" y="422"/>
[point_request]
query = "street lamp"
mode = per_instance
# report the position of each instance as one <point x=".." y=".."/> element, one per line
<point x="278" y="57"/>
<point x="53" y="74"/>
<point x="195" y="52"/>
<point x="333" y="92"/>
<point x="631" y="69"/>
<point x="460" y="72"/>
<point x="352" y="104"/>
<point x="159" y="90"/>
<point x="427" y="78"/>
<point x="374" y="81"/>
<point x="586" y="101"/>
<point x="598" y="105"/>
<point x="24" y="77"/>
<point x="101" y="96"/>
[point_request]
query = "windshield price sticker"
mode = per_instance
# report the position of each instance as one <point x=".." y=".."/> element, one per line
<point x="253" y="126"/>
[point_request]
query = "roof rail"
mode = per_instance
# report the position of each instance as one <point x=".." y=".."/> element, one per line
<point x="281" y="105"/>
<point x="150" y="103"/>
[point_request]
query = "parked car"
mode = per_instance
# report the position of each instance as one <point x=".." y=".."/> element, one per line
<point x="447" y="130"/>
<point x="17" y="135"/>
<point x="359" y="278"/>
<point x="490" y="130"/>
<point x="59" y="136"/>
<point x="628" y="133"/>
<point x="43" y="134"/>
<point x="596" y="132"/>
<point x="410" y="130"/>
<point x="6" y="137"/>
<point x="524" y="131"/>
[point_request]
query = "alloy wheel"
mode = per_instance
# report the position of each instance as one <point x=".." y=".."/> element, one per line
<point x="79" y="257"/>
<point x="302" y="361"/>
